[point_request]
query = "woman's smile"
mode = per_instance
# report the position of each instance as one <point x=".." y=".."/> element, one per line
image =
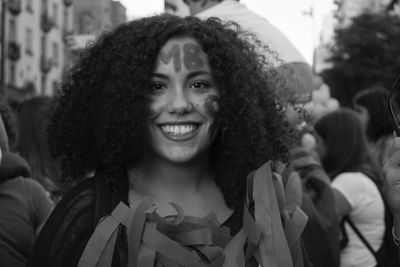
<point x="179" y="131"/>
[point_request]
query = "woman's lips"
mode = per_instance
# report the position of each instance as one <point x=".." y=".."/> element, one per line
<point x="181" y="131"/>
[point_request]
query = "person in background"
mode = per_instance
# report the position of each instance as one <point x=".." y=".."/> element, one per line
<point x="356" y="181"/>
<point x="24" y="204"/>
<point x="391" y="169"/>
<point x="171" y="110"/>
<point x="298" y="73"/>
<point x="321" y="235"/>
<point x="371" y="105"/>
<point x="32" y="121"/>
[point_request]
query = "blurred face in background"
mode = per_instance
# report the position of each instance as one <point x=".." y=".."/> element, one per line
<point x="320" y="147"/>
<point x="298" y="113"/>
<point x="363" y="114"/>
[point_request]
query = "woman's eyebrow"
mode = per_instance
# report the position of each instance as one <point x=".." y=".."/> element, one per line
<point x="197" y="73"/>
<point x="159" y="75"/>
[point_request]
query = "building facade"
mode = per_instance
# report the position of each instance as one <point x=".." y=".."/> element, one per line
<point x="33" y="45"/>
<point x="34" y="40"/>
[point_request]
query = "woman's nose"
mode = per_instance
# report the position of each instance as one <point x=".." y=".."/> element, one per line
<point x="179" y="101"/>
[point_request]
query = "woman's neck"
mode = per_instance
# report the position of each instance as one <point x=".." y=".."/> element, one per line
<point x="164" y="180"/>
<point x="191" y="186"/>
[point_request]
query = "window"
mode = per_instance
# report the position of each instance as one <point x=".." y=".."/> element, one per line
<point x="43" y="46"/>
<point x="55" y="54"/>
<point x="29" y="6"/>
<point x="87" y="24"/>
<point x="29" y="41"/>
<point x="13" y="30"/>
<point x="44" y="6"/>
<point x="12" y="74"/>
<point x="55" y="14"/>
<point x="66" y="20"/>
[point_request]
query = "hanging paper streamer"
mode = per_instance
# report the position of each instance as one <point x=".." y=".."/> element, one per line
<point x="270" y="235"/>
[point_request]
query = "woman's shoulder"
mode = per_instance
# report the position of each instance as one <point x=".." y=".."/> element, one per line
<point x="351" y="177"/>
<point x="68" y="228"/>
<point x="355" y="183"/>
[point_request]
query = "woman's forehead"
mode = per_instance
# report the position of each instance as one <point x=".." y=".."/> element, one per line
<point x="183" y="52"/>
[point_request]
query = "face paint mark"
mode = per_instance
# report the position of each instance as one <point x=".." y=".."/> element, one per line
<point x="211" y="105"/>
<point x="191" y="58"/>
<point x="175" y="54"/>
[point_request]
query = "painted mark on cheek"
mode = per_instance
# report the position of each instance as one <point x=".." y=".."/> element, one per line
<point x="191" y="58"/>
<point x="211" y="105"/>
<point x="175" y="54"/>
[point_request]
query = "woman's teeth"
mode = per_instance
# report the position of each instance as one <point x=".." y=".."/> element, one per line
<point x="178" y="129"/>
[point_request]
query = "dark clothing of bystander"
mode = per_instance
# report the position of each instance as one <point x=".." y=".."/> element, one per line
<point x="24" y="207"/>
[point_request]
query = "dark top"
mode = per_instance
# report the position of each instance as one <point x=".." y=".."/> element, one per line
<point x="24" y="206"/>
<point x="64" y="237"/>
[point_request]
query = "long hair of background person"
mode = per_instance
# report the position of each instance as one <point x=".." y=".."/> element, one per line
<point x="33" y="145"/>
<point x="346" y="145"/>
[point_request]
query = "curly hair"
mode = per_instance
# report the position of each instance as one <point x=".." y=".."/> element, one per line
<point x="10" y="124"/>
<point x="99" y="122"/>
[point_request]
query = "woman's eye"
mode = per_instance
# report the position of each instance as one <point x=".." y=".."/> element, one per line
<point x="157" y="86"/>
<point x="200" y="85"/>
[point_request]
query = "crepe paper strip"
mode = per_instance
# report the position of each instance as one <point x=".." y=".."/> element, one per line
<point x="278" y="167"/>
<point x="195" y="237"/>
<point x="122" y="213"/>
<point x="208" y="221"/>
<point x="180" y="214"/>
<point x="280" y="193"/>
<point x="163" y="261"/>
<point x="180" y="240"/>
<point x="251" y="251"/>
<point x="106" y="256"/>
<point x="221" y="237"/>
<point x="218" y="261"/>
<point x="295" y="226"/>
<point x="294" y="189"/>
<point x="98" y="241"/>
<point x="135" y="230"/>
<point x="252" y="230"/>
<point x="212" y="253"/>
<point x="146" y="257"/>
<point x="234" y="256"/>
<point x="274" y="250"/>
<point x="249" y="199"/>
<point x="169" y="248"/>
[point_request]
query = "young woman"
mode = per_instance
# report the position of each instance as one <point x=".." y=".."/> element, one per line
<point x="371" y="105"/>
<point x="341" y="145"/>
<point x="170" y="115"/>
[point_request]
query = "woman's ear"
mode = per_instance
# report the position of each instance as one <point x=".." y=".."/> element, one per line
<point x="3" y="137"/>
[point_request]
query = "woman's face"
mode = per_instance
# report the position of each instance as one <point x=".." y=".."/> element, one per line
<point x="363" y="114"/>
<point x="320" y="147"/>
<point x="184" y="102"/>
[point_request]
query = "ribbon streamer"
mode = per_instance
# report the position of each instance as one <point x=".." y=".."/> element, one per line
<point x="270" y="236"/>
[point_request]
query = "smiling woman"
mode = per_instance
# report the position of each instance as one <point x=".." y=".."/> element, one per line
<point x="171" y="115"/>
<point x="184" y="102"/>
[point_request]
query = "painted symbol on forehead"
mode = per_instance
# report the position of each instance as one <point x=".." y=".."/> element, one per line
<point x="191" y="57"/>
<point x="211" y="105"/>
<point x="173" y="53"/>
